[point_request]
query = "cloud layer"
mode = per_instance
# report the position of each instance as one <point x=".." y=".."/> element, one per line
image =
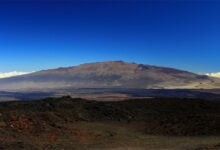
<point x="215" y="74"/>
<point x="11" y="74"/>
<point x="17" y="73"/>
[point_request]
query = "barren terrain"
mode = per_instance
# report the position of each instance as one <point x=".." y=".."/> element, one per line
<point x="66" y="123"/>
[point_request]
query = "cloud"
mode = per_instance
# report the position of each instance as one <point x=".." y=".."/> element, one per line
<point x="215" y="74"/>
<point x="11" y="74"/>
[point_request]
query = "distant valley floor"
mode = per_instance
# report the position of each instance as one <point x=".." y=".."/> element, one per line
<point x="112" y="94"/>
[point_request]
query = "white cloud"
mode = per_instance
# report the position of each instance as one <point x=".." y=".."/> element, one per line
<point x="11" y="74"/>
<point x="215" y="74"/>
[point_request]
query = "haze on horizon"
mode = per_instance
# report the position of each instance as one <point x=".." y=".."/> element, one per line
<point x="38" y="34"/>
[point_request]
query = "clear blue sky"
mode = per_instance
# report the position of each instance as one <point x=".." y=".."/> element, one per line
<point x="47" y="34"/>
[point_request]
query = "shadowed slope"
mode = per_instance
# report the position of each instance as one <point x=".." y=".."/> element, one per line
<point x="66" y="123"/>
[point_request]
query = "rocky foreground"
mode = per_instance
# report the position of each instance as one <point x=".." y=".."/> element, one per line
<point x="66" y="123"/>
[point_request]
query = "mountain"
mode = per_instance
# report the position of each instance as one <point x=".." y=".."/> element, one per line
<point x="110" y="74"/>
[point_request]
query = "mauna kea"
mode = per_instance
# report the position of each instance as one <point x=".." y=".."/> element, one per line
<point x="110" y="74"/>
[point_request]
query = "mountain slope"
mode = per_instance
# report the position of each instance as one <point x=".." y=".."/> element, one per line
<point x="66" y="123"/>
<point x="109" y="74"/>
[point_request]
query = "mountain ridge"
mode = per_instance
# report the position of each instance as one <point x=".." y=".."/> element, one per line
<point x="110" y="74"/>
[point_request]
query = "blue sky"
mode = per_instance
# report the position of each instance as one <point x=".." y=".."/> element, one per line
<point x="37" y="35"/>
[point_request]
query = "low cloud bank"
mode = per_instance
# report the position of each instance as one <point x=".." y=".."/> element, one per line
<point x="215" y="74"/>
<point x="11" y="74"/>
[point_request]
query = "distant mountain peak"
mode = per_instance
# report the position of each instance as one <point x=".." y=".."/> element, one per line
<point x="110" y="74"/>
<point x="110" y="62"/>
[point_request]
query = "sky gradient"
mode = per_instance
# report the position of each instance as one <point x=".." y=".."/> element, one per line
<point x="37" y="35"/>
